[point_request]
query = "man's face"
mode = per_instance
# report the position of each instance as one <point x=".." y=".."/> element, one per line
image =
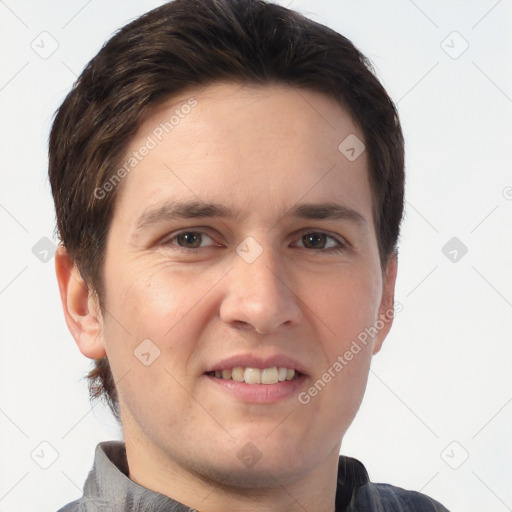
<point x="265" y="288"/>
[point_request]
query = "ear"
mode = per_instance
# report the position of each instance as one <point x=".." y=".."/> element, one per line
<point x="81" y="308"/>
<point x="387" y="305"/>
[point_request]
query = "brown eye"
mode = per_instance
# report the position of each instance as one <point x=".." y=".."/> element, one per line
<point x="189" y="239"/>
<point x="314" y="240"/>
<point x="319" y="240"/>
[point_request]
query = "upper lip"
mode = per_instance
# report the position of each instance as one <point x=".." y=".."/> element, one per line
<point x="257" y="361"/>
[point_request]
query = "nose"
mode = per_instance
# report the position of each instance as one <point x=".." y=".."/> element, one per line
<point x="259" y="295"/>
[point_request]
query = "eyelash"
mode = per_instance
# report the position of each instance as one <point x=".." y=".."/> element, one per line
<point x="332" y="250"/>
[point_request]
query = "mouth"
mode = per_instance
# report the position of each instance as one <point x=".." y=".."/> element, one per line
<point x="251" y="375"/>
<point x="258" y="379"/>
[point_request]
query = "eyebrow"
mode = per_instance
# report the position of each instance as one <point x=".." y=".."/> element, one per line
<point x="196" y="209"/>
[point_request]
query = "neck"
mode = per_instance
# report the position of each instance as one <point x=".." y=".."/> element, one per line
<point x="214" y="491"/>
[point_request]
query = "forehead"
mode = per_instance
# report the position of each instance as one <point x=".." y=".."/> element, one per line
<point x="254" y="148"/>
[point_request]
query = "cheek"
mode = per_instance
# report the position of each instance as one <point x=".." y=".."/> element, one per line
<point x="347" y="304"/>
<point x="159" y="310"/>
<point x="140" y="309"/>
<point x="348" y="307"/>
<point x="152" y="298"/>
<point x="154" y="321"/>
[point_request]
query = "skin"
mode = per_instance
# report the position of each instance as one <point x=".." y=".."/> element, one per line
<point x="260" y="150"/>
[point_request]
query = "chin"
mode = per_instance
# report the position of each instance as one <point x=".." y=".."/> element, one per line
<point x="264" y="474"/>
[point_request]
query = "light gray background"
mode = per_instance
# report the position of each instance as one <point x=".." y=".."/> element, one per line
<point x="438" y="410"/>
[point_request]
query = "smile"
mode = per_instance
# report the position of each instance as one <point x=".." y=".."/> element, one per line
<point x="250" y="375"/>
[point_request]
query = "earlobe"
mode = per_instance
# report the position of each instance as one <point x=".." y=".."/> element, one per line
<point x="81" y="308"/>
<point x="387" y="305"/>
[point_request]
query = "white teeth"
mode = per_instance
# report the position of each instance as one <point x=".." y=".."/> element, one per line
<point x="238" y="374"/>
<point x="251" y="375"/>
<point x="269" y="376"/>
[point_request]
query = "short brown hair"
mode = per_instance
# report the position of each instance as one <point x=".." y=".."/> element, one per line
<point x="188" y="43"/>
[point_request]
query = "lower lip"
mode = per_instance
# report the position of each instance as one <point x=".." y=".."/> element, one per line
<point x="260" y="393"/>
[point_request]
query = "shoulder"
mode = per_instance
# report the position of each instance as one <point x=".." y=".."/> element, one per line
<point x="72" y="507"/>
<point x="387" y="498"/>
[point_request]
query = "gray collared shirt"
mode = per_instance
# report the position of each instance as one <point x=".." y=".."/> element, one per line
<point x="108" y="489"/>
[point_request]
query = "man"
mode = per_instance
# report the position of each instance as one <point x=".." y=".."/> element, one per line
<point x="228" y="181"/>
